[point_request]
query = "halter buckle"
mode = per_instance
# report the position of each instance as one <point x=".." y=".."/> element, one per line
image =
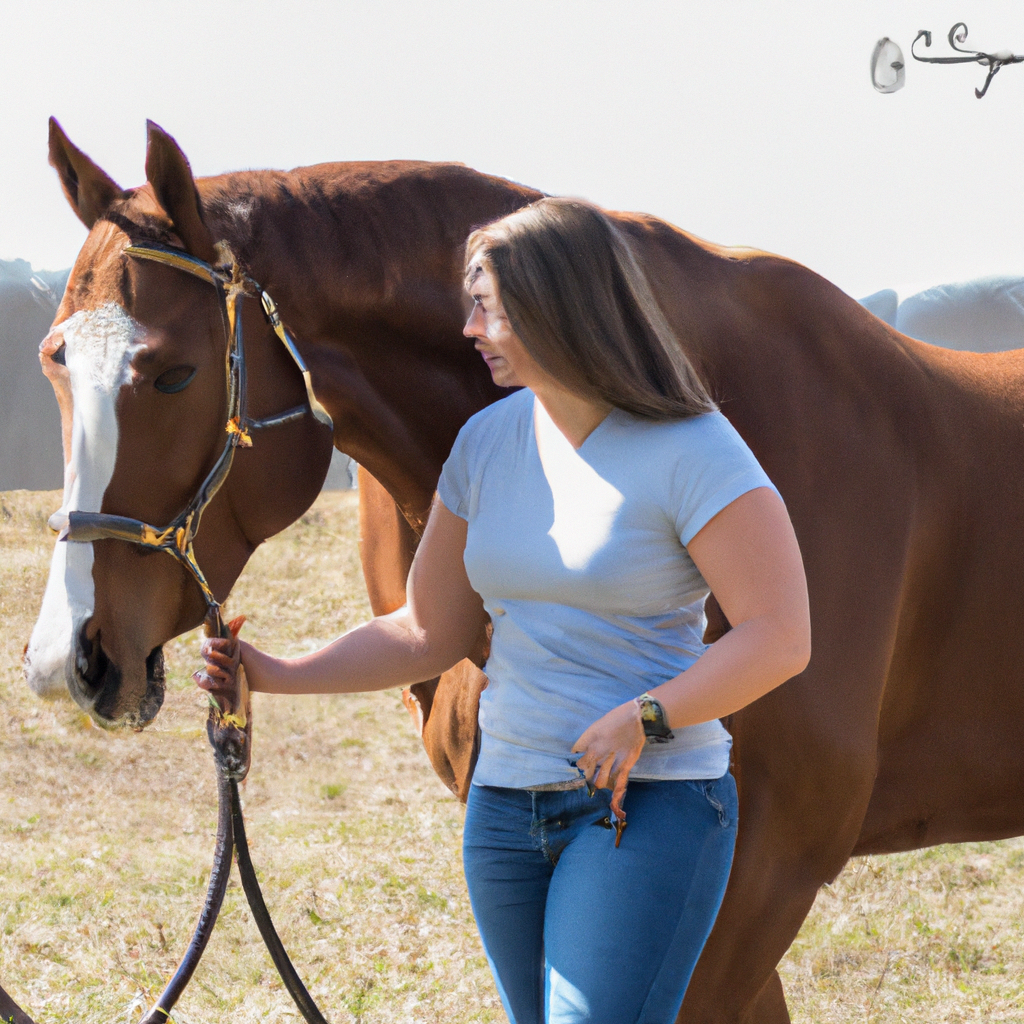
<point x="238" y="433"/>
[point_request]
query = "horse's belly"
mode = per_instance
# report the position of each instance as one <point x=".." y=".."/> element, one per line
<point x="956" y="776"/>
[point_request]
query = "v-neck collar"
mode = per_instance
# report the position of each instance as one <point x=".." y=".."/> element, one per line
<point x="539" y="411"/>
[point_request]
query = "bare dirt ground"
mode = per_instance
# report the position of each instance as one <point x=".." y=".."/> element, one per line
<point x="106" y="840"/>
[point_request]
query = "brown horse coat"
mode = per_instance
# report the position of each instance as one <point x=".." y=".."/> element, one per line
<point x="899" y="463"/>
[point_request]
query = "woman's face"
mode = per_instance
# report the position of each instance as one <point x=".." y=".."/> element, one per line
<point x="511" y="365"/>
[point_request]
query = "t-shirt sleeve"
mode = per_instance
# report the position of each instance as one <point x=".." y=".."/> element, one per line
<point x="453" y="486"/>
<point x="714" y="469"/>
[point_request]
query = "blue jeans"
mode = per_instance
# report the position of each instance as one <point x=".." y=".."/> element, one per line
<point x="578" y="931"/>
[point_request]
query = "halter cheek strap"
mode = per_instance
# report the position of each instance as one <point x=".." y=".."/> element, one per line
<point x="228" y="276"/>
<point x="177" y="539"/>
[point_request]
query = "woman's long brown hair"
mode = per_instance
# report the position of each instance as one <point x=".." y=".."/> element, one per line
<point x="578" y="299"/>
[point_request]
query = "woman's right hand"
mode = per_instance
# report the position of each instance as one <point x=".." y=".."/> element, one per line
<point x="229" y="725"/>
<point x="221" y="658"/>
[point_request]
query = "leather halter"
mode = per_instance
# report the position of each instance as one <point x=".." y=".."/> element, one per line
<point x="177" y="539"/>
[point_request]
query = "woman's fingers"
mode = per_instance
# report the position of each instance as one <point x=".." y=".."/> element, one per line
<point x="611" y="744"/>
<point x="220" y="653"/>
<point x="218" y="645"/>
<point x="603" y="776"/>
<point x="619" y="792"/>
<point x="602" y="768"/>
<point x="214" y="682"/>
<point x="220" y="661"/>
<point x="592" y="763"/>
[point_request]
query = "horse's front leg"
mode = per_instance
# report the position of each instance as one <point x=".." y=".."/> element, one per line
<point x="450" y="733"/>
<point x="443" y="710"/>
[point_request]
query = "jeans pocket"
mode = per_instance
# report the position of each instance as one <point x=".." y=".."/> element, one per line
<point x="721" y="795"/>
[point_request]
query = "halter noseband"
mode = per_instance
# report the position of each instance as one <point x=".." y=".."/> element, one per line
<point x="177" y="539"/>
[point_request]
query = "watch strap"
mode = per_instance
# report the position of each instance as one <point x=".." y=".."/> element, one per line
<point x="653" y="719"/>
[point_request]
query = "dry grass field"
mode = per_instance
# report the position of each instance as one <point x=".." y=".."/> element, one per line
<point x="106" y="839"/>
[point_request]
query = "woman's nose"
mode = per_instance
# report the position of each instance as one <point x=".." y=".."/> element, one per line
<point x="472" y="328"/>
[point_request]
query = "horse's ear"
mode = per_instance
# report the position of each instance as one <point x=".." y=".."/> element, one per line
<point x="168" y="171"/>
<point x="89" y="190"/>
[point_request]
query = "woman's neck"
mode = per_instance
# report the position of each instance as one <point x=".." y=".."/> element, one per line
<point x="575" y="416"/>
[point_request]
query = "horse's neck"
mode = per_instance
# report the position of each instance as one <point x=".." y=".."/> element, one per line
<point x="365" y="262"/>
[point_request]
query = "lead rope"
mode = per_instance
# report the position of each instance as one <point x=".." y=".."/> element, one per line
<point x="160" y="1013"/>
<point x="300" y="995"/>
<point x="229" y="729"/>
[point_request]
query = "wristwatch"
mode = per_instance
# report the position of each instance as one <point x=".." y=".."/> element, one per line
<point x="653" y="719"/>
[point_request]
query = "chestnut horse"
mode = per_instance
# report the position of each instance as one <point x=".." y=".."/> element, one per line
<point x="899" y="462"/>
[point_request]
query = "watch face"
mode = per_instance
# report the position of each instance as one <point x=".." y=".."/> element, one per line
<point x="652" y="717"/>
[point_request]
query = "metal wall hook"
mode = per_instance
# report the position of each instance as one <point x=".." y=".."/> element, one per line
<point x="958" y="35"/>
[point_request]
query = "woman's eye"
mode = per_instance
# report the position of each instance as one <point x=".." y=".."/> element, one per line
<point x="176" y="379"/>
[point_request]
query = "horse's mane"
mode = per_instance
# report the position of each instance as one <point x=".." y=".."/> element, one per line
<point x="375" y="225"/>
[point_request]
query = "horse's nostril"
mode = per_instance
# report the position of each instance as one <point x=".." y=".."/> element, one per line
<point x="92" y="662"/>
<point x="155" y="665"/>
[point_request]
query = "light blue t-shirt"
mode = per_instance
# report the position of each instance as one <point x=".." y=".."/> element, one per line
<point x="580" y="558"/>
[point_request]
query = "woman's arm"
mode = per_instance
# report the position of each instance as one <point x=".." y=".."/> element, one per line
<point x="749" y="557"/>
<point x="439" y="627"/>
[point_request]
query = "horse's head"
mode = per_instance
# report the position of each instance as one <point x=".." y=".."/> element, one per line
<point x="137" y="356"/>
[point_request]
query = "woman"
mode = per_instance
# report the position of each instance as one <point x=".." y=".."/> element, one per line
<point x="587" y="515"/>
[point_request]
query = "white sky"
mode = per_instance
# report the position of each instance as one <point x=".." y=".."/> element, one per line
<point x="746" y="123"/>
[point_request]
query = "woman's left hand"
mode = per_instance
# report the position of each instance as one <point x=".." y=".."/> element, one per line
<point x="609" y="749"/>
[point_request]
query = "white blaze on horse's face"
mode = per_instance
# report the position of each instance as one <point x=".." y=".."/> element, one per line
<point x="99" y="347"/>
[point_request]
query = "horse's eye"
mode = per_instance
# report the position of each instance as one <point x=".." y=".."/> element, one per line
<point x="176" y="379"/>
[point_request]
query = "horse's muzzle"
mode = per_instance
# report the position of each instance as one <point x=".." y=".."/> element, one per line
<point x="115" y="695"/>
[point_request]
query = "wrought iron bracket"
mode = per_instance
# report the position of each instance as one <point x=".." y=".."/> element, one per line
<point x="958" y="34"/>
